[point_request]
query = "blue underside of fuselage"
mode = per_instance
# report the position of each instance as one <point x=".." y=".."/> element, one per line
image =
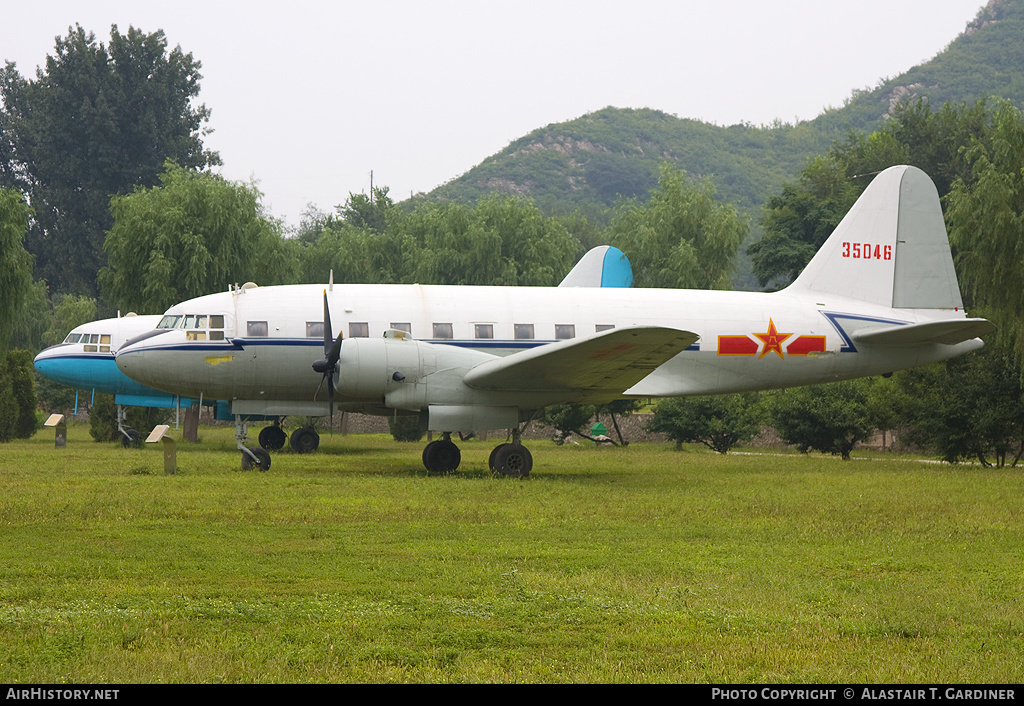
<point x="100" y="373"/>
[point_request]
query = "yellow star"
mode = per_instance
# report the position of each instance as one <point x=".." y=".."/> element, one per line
<point x="772" y="340"/>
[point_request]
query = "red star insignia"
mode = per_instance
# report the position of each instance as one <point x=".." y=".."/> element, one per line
<point x="772" y="340"/>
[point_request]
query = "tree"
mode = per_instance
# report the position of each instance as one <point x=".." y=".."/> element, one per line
<point x="970" y="407"/>
<point x="190" y="236"/>
<point x="719" y="422"/>
<point x="503" y="240"/>
<point x="682" y="237"/>
<point x="569" y="419"/>
<point x="98" y="120"/>
<point x="800" y="219"/>
<point x="986" y="225"/>
<point x="797" y="222"/>
<point x="17" y="396"/>
<point x="830" y="418"/>
<point x="15" y="262"/>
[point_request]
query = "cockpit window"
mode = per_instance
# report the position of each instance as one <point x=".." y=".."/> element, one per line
<point x="201" y="321"/>
<point x="217" y="321"/>
<point x="170" y="321"/>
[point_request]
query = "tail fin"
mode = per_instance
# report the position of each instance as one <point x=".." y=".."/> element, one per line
<point x="603" y="266"/>
<point x="890" y="249"/>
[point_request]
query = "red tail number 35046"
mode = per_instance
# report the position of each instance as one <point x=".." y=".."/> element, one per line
<point x="867" y="251"/>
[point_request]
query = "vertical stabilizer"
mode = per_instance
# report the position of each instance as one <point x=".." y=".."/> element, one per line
<point x="891" y="249"/>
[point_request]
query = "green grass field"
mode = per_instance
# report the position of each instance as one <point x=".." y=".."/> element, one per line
<point x="607" y="565"/>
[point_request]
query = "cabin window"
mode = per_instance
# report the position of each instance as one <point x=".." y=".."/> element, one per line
<point x="257" y="329"/>
<point x="402" y="327"/>
<point x="217" y="321"/>
<point x="170" y="321"/>
<point x="73" y="338"/>
<point x="523" y="332"/>
<point x="358" y="329"/>
<point x="564" y="331"/>
<point x="314" y="329"/>
<point x="603" y="327"/>
<point x="484" y="330"/>
<point x="443" y="332"/>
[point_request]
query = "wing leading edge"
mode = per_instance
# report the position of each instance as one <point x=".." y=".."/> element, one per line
<point x="606" y="363"/>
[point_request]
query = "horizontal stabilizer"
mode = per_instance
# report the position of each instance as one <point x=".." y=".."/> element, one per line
<point x="612" y="361"/>
<point x="949" y="332"/>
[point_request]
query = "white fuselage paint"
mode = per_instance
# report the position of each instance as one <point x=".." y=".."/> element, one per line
<point x="811" y="342"/>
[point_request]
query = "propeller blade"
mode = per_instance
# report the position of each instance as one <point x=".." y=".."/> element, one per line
<point x="328" y="366"/>
<point x="328" y="331"/>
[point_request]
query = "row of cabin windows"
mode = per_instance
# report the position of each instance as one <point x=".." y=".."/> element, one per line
<point x="91" y="342"/>
<point x="442" y="332"/>
<point x="196" y="325"/>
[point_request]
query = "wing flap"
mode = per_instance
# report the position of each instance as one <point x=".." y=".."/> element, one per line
<point x="609" y="361"/>
<point x="949" y="332"/>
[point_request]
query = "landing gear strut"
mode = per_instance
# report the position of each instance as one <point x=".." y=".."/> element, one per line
<point x="129" y="437"/>
<point x="251" y="458"/>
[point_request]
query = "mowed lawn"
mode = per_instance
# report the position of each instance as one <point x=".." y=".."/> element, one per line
<point x="640" y="564"/>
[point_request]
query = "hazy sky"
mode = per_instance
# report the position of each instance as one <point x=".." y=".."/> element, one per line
<point x="308" y="97"/>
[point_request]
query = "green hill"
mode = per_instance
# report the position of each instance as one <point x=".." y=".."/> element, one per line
<point x="586" y="164"/>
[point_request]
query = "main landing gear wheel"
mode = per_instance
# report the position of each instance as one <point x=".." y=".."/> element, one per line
<point x="131" y="439"/>
<point x="512" y="460"/>
<point x="305" y="440"/>
<point x="262" y="461"/>
<point x="441" y="456"/>
<point x="272" y="438"/>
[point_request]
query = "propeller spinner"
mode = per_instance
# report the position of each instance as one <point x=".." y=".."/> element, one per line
<point x="328" y="366"/>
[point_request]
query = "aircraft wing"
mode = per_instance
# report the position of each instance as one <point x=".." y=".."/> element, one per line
<point x="611" y="361"/>
<point x="948" y="332"/>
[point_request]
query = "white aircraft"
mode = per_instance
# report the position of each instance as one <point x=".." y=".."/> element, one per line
<point x="85" y="361"/>
<point x="881" y="295"/>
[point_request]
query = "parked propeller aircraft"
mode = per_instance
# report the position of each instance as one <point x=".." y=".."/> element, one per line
<point x="85" y="361"/>
<point x="879" y="296"/>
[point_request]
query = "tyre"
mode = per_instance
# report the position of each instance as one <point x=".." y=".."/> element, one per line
<point x="305" y="440"/>
<point x="513" y="460"/>
<point x="272" y="438"/>
<point x="262" y="461"/>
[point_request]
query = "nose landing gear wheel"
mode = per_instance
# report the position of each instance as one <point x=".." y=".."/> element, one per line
<point x="262" y="461"/>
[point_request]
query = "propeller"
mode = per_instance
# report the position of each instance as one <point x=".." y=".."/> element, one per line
<point x="329" y="365"/>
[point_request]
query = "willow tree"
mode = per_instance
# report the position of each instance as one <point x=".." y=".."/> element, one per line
<point x="15" y="262"/>
<point x="192" y="235"/>
<point x="985" y="213"/>
<point x="682" y="237"/>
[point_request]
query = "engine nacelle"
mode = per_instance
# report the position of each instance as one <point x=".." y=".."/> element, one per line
<point x="368" y="368"/>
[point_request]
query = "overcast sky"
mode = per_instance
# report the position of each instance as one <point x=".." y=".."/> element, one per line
<point x="309" y="96"/>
